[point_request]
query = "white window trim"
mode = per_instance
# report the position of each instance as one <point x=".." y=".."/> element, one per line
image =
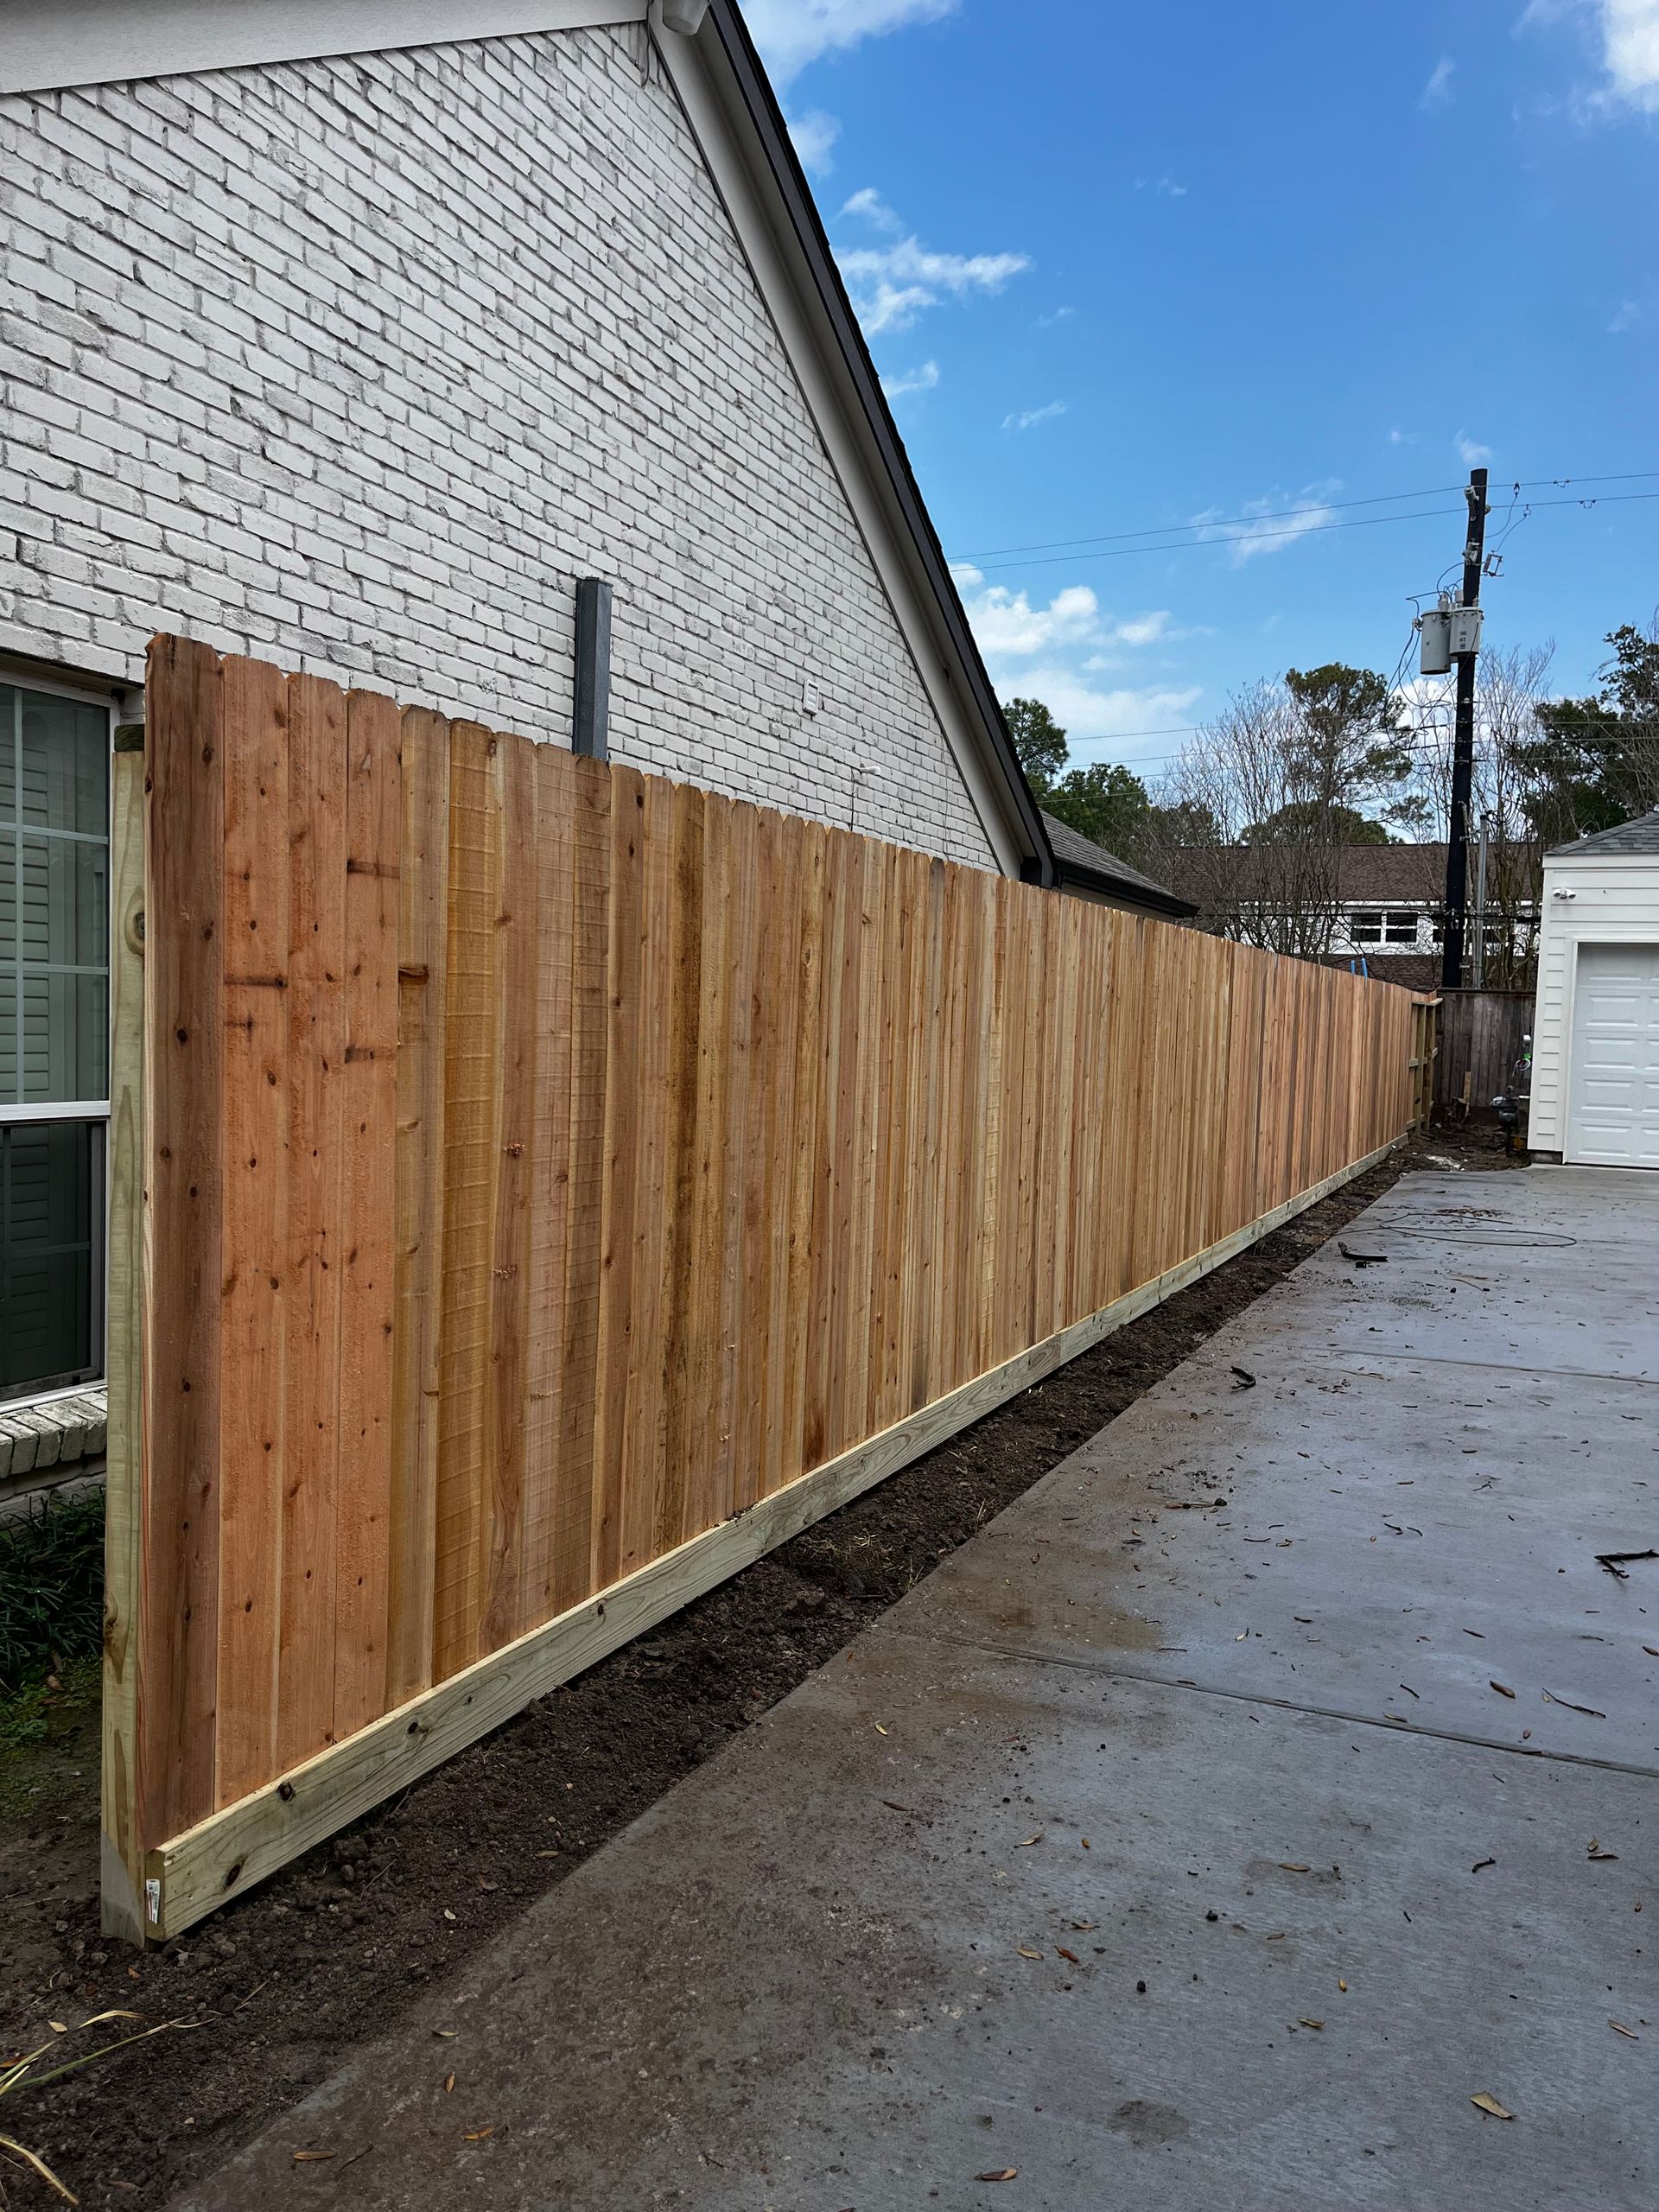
<point x="85" y="1109"/>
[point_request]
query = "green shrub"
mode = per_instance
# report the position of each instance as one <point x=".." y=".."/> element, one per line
<point x="51" y="1586"/>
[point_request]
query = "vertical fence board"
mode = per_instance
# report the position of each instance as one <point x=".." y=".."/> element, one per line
<point x="315" y="1007"/>
<point x="121" y="1846"/>
<point x="374" y="815"/>
<point x="253" y="1145"/>
<point x="517" y="923"/>
<point x="423" y="937"/>
<point x="472" y="1115"/>
<point x="184" y="846"/>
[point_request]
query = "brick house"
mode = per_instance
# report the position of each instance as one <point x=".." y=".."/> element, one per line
<point x="361" y="335"/>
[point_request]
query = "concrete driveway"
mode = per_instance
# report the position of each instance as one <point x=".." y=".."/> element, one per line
<point x="1174" y="1845"/>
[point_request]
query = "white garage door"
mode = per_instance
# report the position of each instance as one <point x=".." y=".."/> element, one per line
<point x="1613" y="1107"/>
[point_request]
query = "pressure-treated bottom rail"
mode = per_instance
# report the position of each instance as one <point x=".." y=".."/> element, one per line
<point x="223" y="1856"/>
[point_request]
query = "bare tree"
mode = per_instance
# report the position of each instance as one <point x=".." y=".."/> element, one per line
<point x="1512" y="688"/>
<point x="1281" y="776"/>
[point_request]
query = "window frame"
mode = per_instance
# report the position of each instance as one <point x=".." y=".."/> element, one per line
<point x="91" y="1112"/>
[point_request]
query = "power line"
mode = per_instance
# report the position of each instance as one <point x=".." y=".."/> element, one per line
<point x="1243" y="529"/>
<point x="1216" y="522"/>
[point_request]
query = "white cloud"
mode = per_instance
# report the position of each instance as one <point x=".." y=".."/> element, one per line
<point x="1007" y="625"/>
<point x="869" y="206"/>
<point x="1164" y="184"/>
<point x="1402" y="437"/>
<point x="1626" y="317"/>
<point x="923" y="379"/>
<point x="1438" y="93"/>
<point x="890" y="285"/>
<point x="1141" y="629"/>
<point x="1630" y="48"/>
<point x="1271" y="524"/>
<point x="1034" y="415"/>
<point x="1060" y="314"/>
<point x="814" y="134"/>
<point x="1088" y="714"/>
<point x="1630" y="32"/>
<point x="1471" y="453"/>
<point x="792" y="33"/>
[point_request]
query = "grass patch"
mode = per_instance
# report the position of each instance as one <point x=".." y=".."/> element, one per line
<point x="51" y="1589"/>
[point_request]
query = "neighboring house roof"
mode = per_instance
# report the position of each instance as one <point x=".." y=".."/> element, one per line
<point x="52" y="44"/>
<point x="1641" y="836"/>
<point x="1376" y="874"/>
<point x="1080" y="861"/>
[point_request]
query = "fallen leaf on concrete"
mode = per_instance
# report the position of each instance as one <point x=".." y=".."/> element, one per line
<point x="1475" y="1633"/>
<point x="1588" y="1710"/>
<point x="1293" y="1866"/>
<point x="478" y="2135"/>
<point x="311" y="2157"/>
<point x="1087" y="1926"/>
<point x="1062" y="1952"/>
<point x="1488" y="2103"/>
<point x="447" y="1914"/>
<point x="880" y="1730"/>
<point x="1310" y="2023"/>
<point x="1084" y="1841"/>
<point x="446" y="2035"/>
<point x="1480" y="1863"/>
<point x="1651" y="1653"/>
<point x="1502" y="1690"/>
<point x="1244" y="1380"/>
<point x="1342" y="1986"/>
<point x="1005" y="2173"/>
<point x="59" y="2027"/>
<point x="1026" y="1953"/>
<point x="1619" y="2028"/>
<point x="1244" y="1632"/>
<point x="1025" y="1842"/>
<point x="1411" y="1693"/>
<point x="1595" y="1851"/>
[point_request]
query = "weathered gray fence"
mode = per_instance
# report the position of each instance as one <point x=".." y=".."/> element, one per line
<point x="1480" y="1041"/>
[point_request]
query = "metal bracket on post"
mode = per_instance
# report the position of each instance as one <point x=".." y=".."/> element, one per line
<point x="591" y="730"/>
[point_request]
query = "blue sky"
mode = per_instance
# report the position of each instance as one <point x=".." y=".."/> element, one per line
<point x="1124" y="268"/>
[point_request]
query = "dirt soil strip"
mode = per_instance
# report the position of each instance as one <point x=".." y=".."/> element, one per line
<point x="287" y="1979"/>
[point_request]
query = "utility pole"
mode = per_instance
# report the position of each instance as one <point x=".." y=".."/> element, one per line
<point x="1465" y="635"/>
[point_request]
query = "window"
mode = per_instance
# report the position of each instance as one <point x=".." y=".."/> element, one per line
<point x="1401" y="928"/>
<point x="54" y="803"/>
<point x="1367" y="927"/>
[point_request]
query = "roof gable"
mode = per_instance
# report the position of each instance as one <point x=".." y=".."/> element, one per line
<point x="723" y="88"/>
<point x="1639" y="837"/>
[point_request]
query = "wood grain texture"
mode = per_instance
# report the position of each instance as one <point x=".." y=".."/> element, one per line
<point x="593" y="1160"/>
<point x="315" y="1008"/>
<point x="422" y="939"/>
<point x="184" y="848"/>
<point x="121" y="1847"/>
<point x="254" y="1152"/>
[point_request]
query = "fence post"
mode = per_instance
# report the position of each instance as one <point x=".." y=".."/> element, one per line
<point x="121" y="1849"/>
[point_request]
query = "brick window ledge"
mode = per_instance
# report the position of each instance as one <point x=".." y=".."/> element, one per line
<point x="42" y="1444"/>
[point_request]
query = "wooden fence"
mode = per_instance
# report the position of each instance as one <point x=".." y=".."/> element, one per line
<point x="1481" y="1034"/>
<point x="559" y="1186"/>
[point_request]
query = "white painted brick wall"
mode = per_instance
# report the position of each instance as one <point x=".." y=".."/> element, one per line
<point x="361" y="363"/>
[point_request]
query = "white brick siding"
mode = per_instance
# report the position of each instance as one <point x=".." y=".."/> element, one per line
<point x="361" y="363"/>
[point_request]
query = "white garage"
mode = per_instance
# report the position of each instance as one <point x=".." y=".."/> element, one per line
<point x="1595" y="1082"/>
